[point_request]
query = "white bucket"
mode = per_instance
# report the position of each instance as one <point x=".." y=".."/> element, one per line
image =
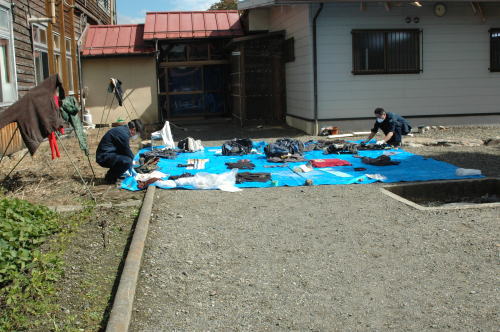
<point x="87" y="119"/>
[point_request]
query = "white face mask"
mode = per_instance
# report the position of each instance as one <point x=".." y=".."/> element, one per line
<point x="136" y="136"/>
<point x="379" y="120"/>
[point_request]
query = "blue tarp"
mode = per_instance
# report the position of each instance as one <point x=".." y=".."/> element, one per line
<point x="411" y="168"/>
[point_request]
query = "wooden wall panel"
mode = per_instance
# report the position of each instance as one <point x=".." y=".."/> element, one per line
<point x="5" y="137"/>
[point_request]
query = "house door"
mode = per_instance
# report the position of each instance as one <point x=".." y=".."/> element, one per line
<point x="258" y="79"/>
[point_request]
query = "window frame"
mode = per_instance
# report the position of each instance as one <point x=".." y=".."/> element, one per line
<point x="492" y="68"/>
<point x="103" y="7"/>
<point x="385" y="71"/>
<point x="9" y="35"/>
<point x="42" y="48"/>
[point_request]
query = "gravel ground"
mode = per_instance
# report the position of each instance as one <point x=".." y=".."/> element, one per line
<point x="323" y="258"/>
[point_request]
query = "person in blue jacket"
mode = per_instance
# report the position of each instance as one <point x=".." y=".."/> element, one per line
<point x="114" y="150"/>
<point x="393" y="126"/>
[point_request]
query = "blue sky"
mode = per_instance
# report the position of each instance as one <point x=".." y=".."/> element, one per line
<point x="133" y="11"/>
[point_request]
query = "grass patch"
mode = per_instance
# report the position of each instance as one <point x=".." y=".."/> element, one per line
<point x="32" y="241"/>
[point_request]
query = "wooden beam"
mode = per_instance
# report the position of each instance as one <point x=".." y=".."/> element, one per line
<point x="62" y="47"/>
<point x="50" y="39"/>
<point x="387" y="6"/>
<point x="74" y="63"/>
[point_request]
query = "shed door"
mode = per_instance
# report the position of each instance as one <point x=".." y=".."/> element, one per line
<point x="258" y="80"/>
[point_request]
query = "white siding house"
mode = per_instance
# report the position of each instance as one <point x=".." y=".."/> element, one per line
<point x="454" y="84"/>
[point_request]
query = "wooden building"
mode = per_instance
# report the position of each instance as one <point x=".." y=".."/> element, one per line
<point x="39" y="38"/>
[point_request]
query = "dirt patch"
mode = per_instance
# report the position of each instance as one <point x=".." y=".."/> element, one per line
<point x="93" y="263"/>
<point x="40" y="180"/>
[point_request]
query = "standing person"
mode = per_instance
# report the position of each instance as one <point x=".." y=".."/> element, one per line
<point x="114" y="151"/>
<point x="393" y="126"/>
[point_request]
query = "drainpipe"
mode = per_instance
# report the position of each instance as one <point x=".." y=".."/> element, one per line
<point x="315" y="69"/>
<point x="51" y="19"/>
<point x="80" y="71"/>
<point x="158" y="101"/>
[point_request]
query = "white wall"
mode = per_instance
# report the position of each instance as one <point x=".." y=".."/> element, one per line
<point x="138" y="76"/>
<point x="299" y="74"/>
<point x="455" y="80"/>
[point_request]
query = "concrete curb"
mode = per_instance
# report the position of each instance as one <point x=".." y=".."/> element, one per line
<point x="121" y="311"/>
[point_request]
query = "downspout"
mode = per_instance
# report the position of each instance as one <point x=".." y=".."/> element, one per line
<point x="315" y="69"/>
<point x="80" y="71"/>
<point x="158" y="102"/>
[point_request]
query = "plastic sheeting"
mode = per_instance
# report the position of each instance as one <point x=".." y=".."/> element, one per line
<point x="411" y="168"/>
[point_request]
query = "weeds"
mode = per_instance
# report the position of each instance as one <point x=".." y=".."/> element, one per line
<point x="32" y="240"/>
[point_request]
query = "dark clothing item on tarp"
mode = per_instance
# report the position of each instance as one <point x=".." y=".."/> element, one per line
<point x="162" y="153"/>
<point x="252" y="177"/>
<point x="114" y="152"/>
<point x="36" y="113"/>
<point x="183" y="175"/>
<point x="382" y="160"/>
<point x="313" y="145"/>
<point x="241" y="164"/>
<point x="284" y="146"/>
<point x="115" y="86"/>
<point x="393" y="123"/>
<point x="69" y="112"/>
<point x="144" y="184"/>
<point x="148" y="166"/>
<point x="237" y="147"/>
<point x="294" y="158"/>
<point x="346" y="148"/>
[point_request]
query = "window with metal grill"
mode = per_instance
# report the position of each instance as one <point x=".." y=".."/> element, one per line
<point x="495" y="50"/>
<point x="385" y="52"/>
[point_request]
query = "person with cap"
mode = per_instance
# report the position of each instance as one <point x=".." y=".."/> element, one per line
<point x="393" y="126"/>
<point x="114" y="150"/>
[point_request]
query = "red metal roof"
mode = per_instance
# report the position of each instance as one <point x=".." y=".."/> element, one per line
<point x="175" y="25"/>
<point x="115" y="40"/>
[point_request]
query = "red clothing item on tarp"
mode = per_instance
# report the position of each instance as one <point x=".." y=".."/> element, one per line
<point x="54" y="148"/>
<point x="329" y="162"/>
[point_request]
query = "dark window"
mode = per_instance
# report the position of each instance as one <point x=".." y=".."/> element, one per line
<point x="385" y="51"/>
<point x="495" y="50"/>
<point x="289" y="50"/>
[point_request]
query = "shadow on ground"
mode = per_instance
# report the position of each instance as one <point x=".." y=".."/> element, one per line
<point x="226" y="131"/>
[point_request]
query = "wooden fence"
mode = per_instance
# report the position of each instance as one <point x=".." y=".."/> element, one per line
<point x="6" y="136"/>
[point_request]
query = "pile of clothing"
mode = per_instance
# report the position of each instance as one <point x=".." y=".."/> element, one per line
<point x="237" y="147"/>
<point x="190" y="145"/>
<point x="285" y="150"/>
<point x="160" y="153"/>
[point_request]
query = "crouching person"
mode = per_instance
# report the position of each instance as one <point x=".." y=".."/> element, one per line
<point x="114" y="150"/>
<point x="393" y="126"/>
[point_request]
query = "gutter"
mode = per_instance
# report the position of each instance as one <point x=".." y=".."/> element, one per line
<point x="315" y="68"/>
<point x="158" y="101"/>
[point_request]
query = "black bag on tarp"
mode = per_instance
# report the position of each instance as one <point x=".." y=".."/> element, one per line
<point x="237" y="147"/>
<point x="284" y="146"/>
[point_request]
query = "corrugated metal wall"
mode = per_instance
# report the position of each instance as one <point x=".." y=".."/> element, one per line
<point x="5" y="137"/>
